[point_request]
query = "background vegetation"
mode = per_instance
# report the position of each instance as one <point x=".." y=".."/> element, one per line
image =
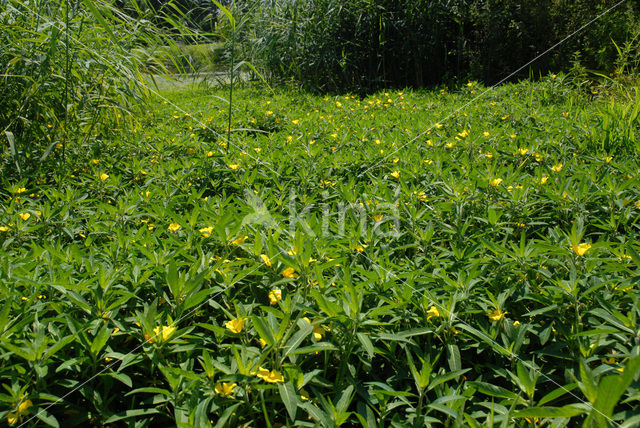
<point x="400" y="258"/>
<point x="368" y="44"/>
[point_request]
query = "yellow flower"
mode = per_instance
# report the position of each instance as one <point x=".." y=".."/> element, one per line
<point x="396" y="160"/>
<point x="304" y="395"/>
<point x="428" y="161"/>
<point x="496" y="315"/>
<point x="463" y="134"/>
<point x="488" y="155"/>
<point x="523" y="151"/>
<point x="209" y="154"/>
<point x="234" y="166"/>
<point x="235" y="325"/>
<point x="438" y="125"/>
<point x="263" y="342"/>
<point x="225" y="388"/>
<point x="24" y="216"/>
<point x="338" y="104"/>
<point x="581" y="249"/>
<point x="289" y="273"/>
<point x="516" y="323"/>
<point x="272" y="376"/>
<point x="163" y="333"/>
<point x="608" y="159"/>
<point x="359" y="248"/>
<point x="174" y="227"/>
<point x="557" y="168"/>
<point x="275" y="296"/>
<point x="239" y="240"/>
<point x="104" y="176"/>
<point x="512" y="135"/>
<point x="486" y="134"/>
<point x="23" y="409"/>
<point x="318" y="332"/>
<point x="206" y="231"/>
<point x="433" y="312"/>
<point x="266" y="259"/>
<point x="395" y="174"/>
<point x="638" y="205"/>
<point x="377" y="217"/>
<point x="544" y="179"/>
<point x="4" y="228"/>
<point x="295" y="121"/>
<point x="496" y="182"/>
<point x="21" y="190"/>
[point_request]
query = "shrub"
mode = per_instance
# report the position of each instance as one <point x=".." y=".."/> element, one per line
<point x="70" y="70"/>
<point x="361" y="45"/>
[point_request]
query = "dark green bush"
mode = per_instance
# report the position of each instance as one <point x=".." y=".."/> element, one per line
<point x="367" y="44"/>
<point x="67" y="74"/>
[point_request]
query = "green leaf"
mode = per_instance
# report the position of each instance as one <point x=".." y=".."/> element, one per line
<point x="557" y="393"/>
<point x="611" y="388"/>
<point x="21" y="352"/>
<point x="99" y="340"/>
<point x="296" y="339"/>
<point x="366" y="343"/>
<point x="289" y="398"/>
<point x="149" y="390"/>
<point x="134" y="413"/>
<point x="226" y="415"/>
<point x="263" y="330"/>
<point x="312" y="349"/>
<point x="454" y="357"/>
<point x="446" y="377"/>
<point x="494" y="390"/>
<point x="227" y="13"/>
<point x="47" y="418"/>
<point x="318" y="415"/>
<point x="548" y="412"/>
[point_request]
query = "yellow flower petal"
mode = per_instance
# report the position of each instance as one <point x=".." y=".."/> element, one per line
<point x="206" y="231"/>
<point x="581" y="249"/>
<point x="496" y="315"/>
<point x="289" y="273"/>
<point x="433" y="312"/>
<point x="236" y="325"/>
<point x="266" y="259"/>
<point x="275" y="296"/>
<point x="225" y="388"/>
<point x="163" y="332"/>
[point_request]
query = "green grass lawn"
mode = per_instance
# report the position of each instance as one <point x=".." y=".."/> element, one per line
<point x="403" y="259"/>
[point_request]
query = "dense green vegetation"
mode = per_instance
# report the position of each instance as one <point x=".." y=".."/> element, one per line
<point x="360" y="45"/>
<point x="479" y="269"/>
<point x="268" y="256"/>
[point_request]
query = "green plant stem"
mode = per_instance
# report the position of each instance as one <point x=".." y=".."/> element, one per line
<point x="66" y="78"/>
<point x="233" y="42"/>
